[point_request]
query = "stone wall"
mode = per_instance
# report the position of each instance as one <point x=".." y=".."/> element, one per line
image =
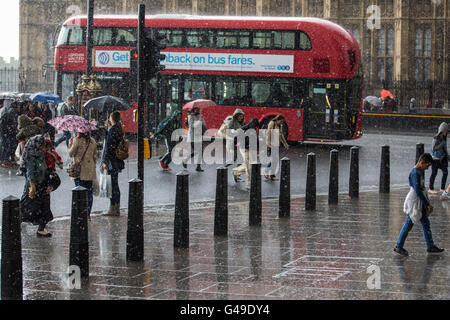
<point x="391" y="51"/>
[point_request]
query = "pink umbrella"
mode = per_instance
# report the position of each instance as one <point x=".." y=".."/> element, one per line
<point x="73" y="123"/>
<point x="199" y="103"/>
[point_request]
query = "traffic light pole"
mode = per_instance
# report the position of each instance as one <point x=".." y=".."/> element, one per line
<point x="141" y="91"/>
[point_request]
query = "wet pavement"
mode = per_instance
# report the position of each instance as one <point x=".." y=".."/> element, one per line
<point x="159" y="185"/>
<point x="329" y="253"/>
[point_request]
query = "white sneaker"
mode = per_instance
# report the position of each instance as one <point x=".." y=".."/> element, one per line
<point x="433" y="191"/>
<point x="445" y="196"/>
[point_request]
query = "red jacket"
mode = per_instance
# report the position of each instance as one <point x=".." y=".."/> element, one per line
<point x="52" y="159"/>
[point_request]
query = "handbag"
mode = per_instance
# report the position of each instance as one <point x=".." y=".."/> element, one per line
<point x="53" y="180"/>
<point x="74" y="168"/>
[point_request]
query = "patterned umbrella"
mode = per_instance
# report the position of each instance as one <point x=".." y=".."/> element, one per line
<point x="73" y="123"/>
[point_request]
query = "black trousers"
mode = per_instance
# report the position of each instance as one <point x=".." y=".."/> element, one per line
<point x="167" y="157"/>
<point x="436" y="165"/>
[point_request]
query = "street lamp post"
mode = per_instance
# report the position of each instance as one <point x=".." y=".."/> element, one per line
<point x="88" y="87"/>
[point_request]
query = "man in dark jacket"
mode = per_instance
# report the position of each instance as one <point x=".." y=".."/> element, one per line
<point x="8" y="131"/>
<point x="166" y="130"/>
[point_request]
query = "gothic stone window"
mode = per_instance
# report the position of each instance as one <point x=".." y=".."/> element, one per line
<point x="385" y="54"/>
<point x="422" y="53"/>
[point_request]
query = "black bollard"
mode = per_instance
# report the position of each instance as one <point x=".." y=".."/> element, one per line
<point x="79" y="240"/>
<point x="285" y="189"/>
<point x="354" y="173"/>
<point x="135" y="230"/>
<point x="221" y="209"/>
<point x="181" y="222"/>
<point x="385" y="175"/>
<point x="333" y="184"/>
<point x="255" y="208"/>
<point x="12" y="274"/>
<point x="310" y="199"/>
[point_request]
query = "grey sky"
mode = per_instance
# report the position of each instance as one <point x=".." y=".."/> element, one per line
<point x="9" y="24"/>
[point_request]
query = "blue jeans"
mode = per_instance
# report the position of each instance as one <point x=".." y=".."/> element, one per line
<point x="426" y="228"/>
<point x="115" y="199"/>
<point x="66" y="136"/>
<point x="88" y="186"/>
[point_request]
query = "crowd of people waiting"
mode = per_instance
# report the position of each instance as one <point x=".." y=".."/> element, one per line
<point x="27" y="144"/>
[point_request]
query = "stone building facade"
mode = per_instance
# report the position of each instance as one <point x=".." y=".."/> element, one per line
<point x="405" y="43"/>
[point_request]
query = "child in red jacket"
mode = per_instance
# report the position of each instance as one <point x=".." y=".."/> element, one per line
<point x="52" y="158"/>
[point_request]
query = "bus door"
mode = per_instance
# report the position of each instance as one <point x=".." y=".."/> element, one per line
<point x="325" y="111"/>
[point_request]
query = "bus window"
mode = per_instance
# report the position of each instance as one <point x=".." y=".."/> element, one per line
<point x="284" y="40"/>
<point x="196" y="89"/>
<point x="233" y="39"/>
<point x="71" y="36"/>
<point x="174" y="38"/>
<point x="232" y="92"/>
<point x="260" y="92"/>
<point x="305" y="42"/>
<point x="262" y="40"/>
<point x="173" y="94"/>
<point x="193" y="39"/>
<point x="244" y="39"/>
<point x="103" y="36"/>
<point x="126" y="37"/>
<point x="227" y="39"/>
<point x="278" y="94"/>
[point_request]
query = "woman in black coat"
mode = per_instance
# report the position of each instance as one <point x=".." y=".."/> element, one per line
<point x="111" y="163"/>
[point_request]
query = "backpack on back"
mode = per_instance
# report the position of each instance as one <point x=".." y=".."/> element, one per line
<point x="122" y="150"/>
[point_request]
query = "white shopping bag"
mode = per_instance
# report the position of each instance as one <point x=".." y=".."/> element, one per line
<point x="105" y="186"/>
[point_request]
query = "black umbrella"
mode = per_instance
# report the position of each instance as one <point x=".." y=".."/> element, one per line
<point x="107" y="103"/>
<point x="24" y="97"/>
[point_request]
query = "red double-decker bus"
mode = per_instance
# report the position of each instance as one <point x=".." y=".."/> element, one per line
<point x="305" y="68"/>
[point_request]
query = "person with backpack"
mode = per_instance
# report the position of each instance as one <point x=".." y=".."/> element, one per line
<point x="440" y="157"/>
<point x="417" y="208"/>
<point x="165" y="129"/>
<point x="111" y="162"/>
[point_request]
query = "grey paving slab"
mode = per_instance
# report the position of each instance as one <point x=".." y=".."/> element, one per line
<point x="321" y="254"/>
